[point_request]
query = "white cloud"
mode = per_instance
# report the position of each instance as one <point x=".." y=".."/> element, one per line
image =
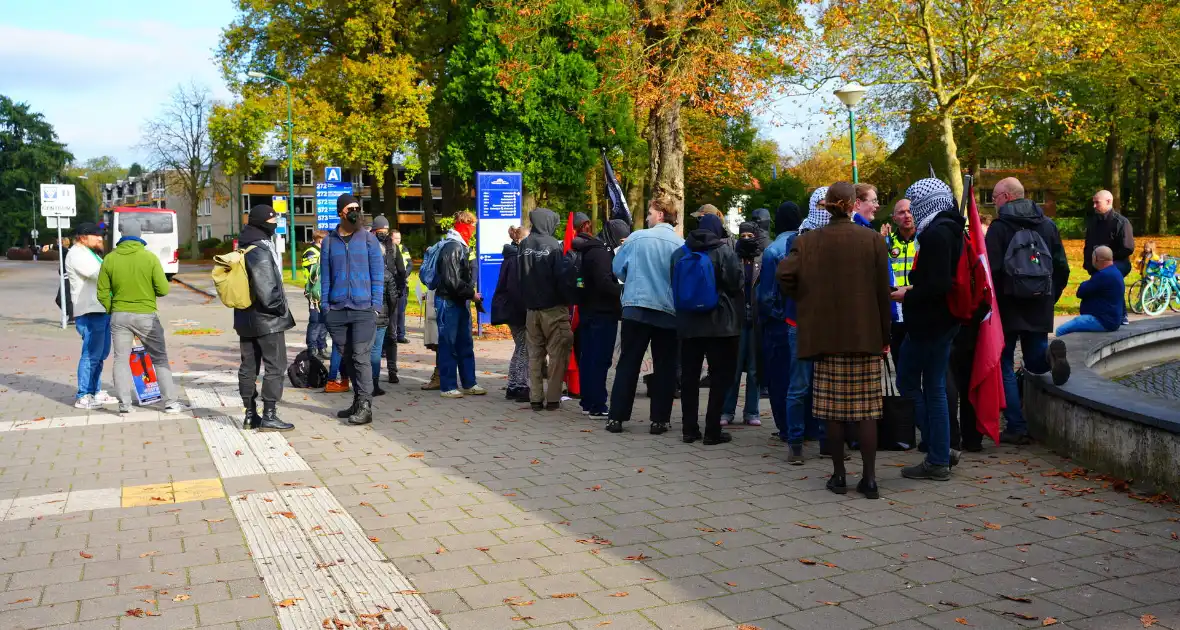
<point x="97" y="90"/>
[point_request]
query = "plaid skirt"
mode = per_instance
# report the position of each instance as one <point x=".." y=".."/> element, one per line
<point x="847" y="388"/>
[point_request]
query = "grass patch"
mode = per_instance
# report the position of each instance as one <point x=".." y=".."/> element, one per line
<point x="413" y="307"/>
<point x="1069" y="304"/>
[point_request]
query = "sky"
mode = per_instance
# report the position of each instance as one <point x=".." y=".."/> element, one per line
<point x="98" y="69"/>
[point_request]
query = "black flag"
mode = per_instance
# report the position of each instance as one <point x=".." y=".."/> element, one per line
<point x="614" y="192"/>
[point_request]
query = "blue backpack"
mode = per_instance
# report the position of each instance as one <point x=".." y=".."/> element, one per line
<point x="694" y="284"/>
<point x="428" y="273"/>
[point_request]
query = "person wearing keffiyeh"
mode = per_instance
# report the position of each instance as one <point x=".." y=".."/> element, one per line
<point x="817" y="216"/>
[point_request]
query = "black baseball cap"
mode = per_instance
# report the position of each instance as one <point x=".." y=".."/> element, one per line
<point x="88" y="229"/>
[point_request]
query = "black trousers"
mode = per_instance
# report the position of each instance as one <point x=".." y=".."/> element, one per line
<point x="390" y="350"/>
<point x="354" y="331"/>
<point x="964" y="431"/>
<point x="722" y="355"/>
<point x="271" y="351"/>
<point x="635" y="337"/>
<point x="896" y="335"/>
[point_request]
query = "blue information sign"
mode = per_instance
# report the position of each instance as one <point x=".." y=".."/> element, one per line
<point x="498" y="206"/>
<point x="325" y="204"/>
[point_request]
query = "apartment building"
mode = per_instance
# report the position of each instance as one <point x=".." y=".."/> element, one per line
<point x="215" y="217"/>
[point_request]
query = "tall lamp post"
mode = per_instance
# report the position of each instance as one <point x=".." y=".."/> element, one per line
<point x="290" y="166"/>
<point x="850" y="95"/>
<point x="33" y="207"/>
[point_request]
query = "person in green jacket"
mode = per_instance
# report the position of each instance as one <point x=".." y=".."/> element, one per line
<point x="130" y="280"/>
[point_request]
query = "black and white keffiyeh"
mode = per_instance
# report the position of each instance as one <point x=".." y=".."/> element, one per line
<point x="927" y="198"/>
<point x="817" y="217"/>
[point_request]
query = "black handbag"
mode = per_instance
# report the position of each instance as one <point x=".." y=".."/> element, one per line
<point x="895" y="429"/>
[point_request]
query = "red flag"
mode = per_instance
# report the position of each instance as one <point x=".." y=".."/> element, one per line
<point x="987" y="382"/>
<point x="572" y="379"/>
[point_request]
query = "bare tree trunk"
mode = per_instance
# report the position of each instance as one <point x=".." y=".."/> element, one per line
<point x="1112" y="176"/>
<point x="666" y="143"/>
<point x="1146" y="181"/>
<point x="427" y="193"/>
<point x="374" y="196"/>
<point x="1163" y="151"/>
<point x="1128" y="192"/>
<point x="634" y="187"/>
<point x="596" y="216"/>
<point x="389" y="200"/>
<point x="194" y="198"/>
<point x="954" y="171"/>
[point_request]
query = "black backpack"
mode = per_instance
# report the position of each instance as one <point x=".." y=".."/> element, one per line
<point x="1028" y="266"/>
<point x="307" y="371"/>
<point x="572" y="281"/>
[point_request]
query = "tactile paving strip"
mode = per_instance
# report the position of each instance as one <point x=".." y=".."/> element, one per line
<point x="238" y="453"/>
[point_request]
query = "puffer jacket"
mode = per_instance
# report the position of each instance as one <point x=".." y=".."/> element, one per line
<point x="454" y="270"/>
<point x="268" y="312"/>
<point x="725" y="320"/>
<point x="542" y="263"/>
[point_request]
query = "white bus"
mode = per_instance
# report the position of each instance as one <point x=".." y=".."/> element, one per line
<point x="158" y="229"/>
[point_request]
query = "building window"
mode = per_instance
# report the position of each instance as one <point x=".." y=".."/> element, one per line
<point x="304" y="205"/>
<point x="303" y="233"/>
<point x="307" y="180"/>
<point x="206" y="207"/>
<point x="987" y="197"/>
<point x="204" y="232"/>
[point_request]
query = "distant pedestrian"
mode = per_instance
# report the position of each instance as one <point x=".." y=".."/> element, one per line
<point x="643" y="264"/>
<point x="1108" y="227"/>
<point x="1030" y="271"/>
<point x="385" y="343"/>
<point x="403" y="298"/>
<point x="749" y="252"/>
<point x="1102" y="297"/>
<point x="130" y="280"/>
<point x="542" y="277"/>
<point x="599" y="310"/>
<point x="777" y="313"/>
<point x="263" y="325"/>
<point x="839" y="275"/>
<point x="508" y="308"/>
<point x="83" y="264"/>
<point x="353" y="289"/>
<point x="708" y="327"/>
<point x="456" y="349"/>
<point x="317" y="330"/>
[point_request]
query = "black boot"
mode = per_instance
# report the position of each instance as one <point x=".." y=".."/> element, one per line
<point x="523" y="395"/>
<point x="270" y="420"/>
<point x="347" y="413"/>
<point x="393" y="378"/>
<point x="363" y="413"/>
<point x="252" y="419"/>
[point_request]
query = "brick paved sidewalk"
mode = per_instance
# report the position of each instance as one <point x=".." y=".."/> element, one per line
<point x="478" y="513"/>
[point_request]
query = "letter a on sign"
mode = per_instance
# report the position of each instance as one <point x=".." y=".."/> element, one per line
<point x="332" y="174"/>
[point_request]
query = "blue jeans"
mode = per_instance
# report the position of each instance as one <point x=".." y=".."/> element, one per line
<point x="747" y="361"/>
<point x="799" y="418"/>
<point x="376" y="352"/>
<point x="95" y="329"/>
<point x="597" y="346"/>
<point x="776" y="355"/>
<point x="317" y="331"/>
<point x="1034" y="346"/>
<point x="334" y="364"/>
<point x="456" y="349"/>
<point x="921" y="377"/>
<point x="1081" y="323"/>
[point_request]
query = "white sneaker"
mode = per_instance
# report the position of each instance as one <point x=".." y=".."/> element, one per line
<point x="103" y="398"/>
<point x="85" y="402"/>
<point x="175" y="407"/>
<point x="475" y="390"/>
<point x="454" y="393"/>
<point x="124" y="408"/>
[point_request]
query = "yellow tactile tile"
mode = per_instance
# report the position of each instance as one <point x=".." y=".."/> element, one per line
<point x="197" y="490"/>
<point x="152" y="494"/>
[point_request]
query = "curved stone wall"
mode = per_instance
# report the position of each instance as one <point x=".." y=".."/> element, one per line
<point x="1104" y="425"/>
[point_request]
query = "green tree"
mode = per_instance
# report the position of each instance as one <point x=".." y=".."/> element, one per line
<point x="30" y="155"/>
<point x="238" y="134"/>
<point x="135" y="170"/>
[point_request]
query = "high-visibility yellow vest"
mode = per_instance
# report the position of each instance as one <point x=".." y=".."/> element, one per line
<point x="901" y="257"/>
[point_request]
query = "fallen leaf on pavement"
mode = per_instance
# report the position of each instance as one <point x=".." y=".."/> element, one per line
<point x="1014" y="598"/>
<point x="747" y="626"/>
<point x="638" y="470"/>
<point x="214" y="520"/>
<point x="851" y="537"/>
<point x="21" y="600"/>
<point x="718" y="542"/>
<point x="828" y="603"/>
<point x="619" y="594"/>
<point x="563" y="595"/>
<point x="374" y="539"/>
<point x="963" y="506"/>
<point x="135" y="612"/>
<point x="806" y="526"/>
<point x="238" y="453"/>
<point x="410" y="591"/>
<point x="1048" y="621"/>
<point x="1148" y="620"/>
<point x="180" y="598"/>
<point x="253" y="596"/>
<point x="638" y="557"/>
<point x="417" y="455"/>
<point x="1022" y="616"/>
<point x="605" y="623"/>
<point x="149" y="553"/>
<point x="947" y="602"/>
<point x="482" y="548"/>
<point x="286" y="514"/>
<point x="962" y="621"/>
<point x="829" y="565"/>
<point x="85" y="555"/>
<point x="535" y="461"/>
<point x="1175" y="536"/>
<point x="522" y="618"/>
<point x="991" y="525"/>
<point x="287" y="603"/>
<point x="383" y="486"/>
<point x="440" y="550"/>
<point x="807" y="561"/>
<point x="595" y="488"/>
<point x="1047" y="517"/>
<point x="142" y="587"/>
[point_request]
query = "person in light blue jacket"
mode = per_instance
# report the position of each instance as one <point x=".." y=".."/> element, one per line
<point x="644" y="265"/>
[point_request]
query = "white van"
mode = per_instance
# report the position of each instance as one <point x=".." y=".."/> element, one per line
<point x="158" y="229"/>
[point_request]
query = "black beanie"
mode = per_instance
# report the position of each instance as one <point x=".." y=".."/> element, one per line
<point x="786" y="218"/>
<point x="343" y="200"/>
<point x="260" y="214"/>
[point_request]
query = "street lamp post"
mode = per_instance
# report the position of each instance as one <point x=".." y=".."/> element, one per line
<point x="850" y="95"/>
<point x="33" y="214"/>
<point x="290" y="166"/>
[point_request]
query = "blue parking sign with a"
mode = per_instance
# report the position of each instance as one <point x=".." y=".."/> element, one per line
<point x="332" y="174"/>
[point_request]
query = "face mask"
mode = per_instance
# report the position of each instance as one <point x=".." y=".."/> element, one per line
<point x="268" y="228"/>
<point x="353" y="216"/>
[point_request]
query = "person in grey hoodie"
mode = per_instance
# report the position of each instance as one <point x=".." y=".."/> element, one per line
<point x="542" y="281"/>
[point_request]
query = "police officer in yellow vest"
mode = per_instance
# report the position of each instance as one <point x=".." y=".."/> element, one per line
<point x="902" y="243"/>
<point x="317" y="330"/>
<point x="397" y="328"/>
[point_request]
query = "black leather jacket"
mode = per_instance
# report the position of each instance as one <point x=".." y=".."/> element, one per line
<point x="454" y="273"/>
<point x="395" y="281"/>
<point x="268" y="312"/>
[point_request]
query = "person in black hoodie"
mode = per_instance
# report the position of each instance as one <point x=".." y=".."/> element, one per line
<point x="711" y="335"/>
<point x="262" y="326"/>
<point x="542" y="280"/>
<point x="926" y="351"/>
<point x="385" y="341"/>
<point x="749" y="251"/>
<point x="1028" y="320"/>
<point x="761" y="218"/>
<point x="508" y="308"/>
<point x="599" y="311"/>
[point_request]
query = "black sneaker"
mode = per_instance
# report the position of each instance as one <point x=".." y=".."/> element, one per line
<point x="837" y="484"/>
<point x="511" y="393"/>
<point x="689" y="439"/>
<point x="926" y="471"/>
<point x="972" y="447"/>
<point x="955" y="454"/>
<point x="523" y="395"/>
<point x="1058" y="363"/>
<point x="1018" y="439"/>
<point x="614" y="426"/>
<point x="403" y="340"/>
<point x="658" y="428"/>
<point x="722" y="438"/>
<point x="393" y="379"/>
<point x="868" y="489"/>
<point x="377" y="391"/>
<point x="599" y="415"/>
